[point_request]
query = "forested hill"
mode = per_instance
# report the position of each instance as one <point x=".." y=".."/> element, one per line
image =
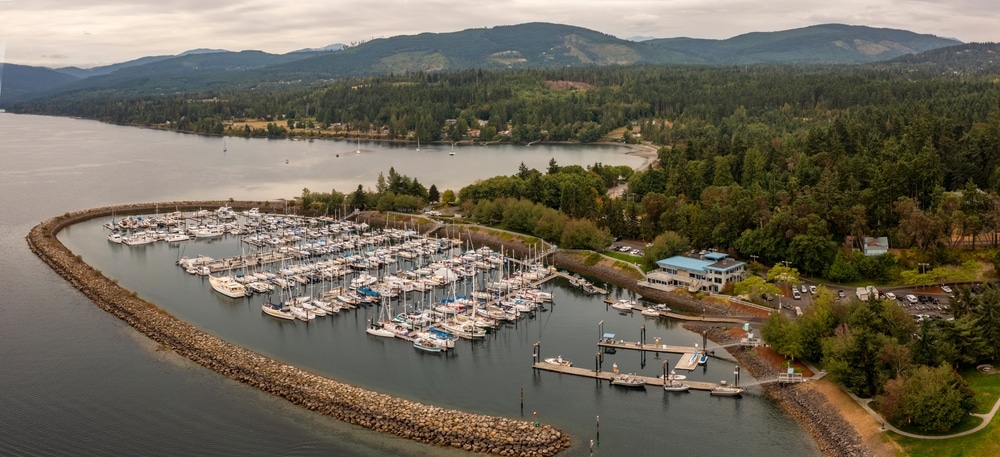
<point x="21" y="80"/>
<point x="825" y="44"/>
<point x="966" y="59"/>
<point x="523" y="46"/>
<point x="533" y="45"/>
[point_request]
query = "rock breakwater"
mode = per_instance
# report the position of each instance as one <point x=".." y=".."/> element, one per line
<point x="833" y="435"/>
<point x="408" y="419"/>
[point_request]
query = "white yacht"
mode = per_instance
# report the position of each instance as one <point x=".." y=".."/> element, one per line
<point x="227" y="286"/>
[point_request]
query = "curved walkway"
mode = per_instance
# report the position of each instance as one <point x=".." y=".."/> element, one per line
<point x="886" y="426"/>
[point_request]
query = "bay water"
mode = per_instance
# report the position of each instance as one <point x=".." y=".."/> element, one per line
<point x="77" y="381"/>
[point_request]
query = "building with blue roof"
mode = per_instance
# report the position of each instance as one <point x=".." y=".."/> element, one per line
<point x="709" y="272"/>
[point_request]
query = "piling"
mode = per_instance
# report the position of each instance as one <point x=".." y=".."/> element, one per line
<point x="522" y="401"/>
<point x="598" y="429"/>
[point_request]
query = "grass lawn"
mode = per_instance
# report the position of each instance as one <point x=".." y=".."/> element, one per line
<point x="628" y="258"/>
<point x="983" y="442"/>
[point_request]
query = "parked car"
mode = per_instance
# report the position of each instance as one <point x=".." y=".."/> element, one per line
<point x="890" y="295"/>
<point x="841" y="294"/>
<point x="812" y="289"/>
<point x="796" y="295"/>
<point x="804" y="289"/>
<point x="946" y="289"/>
<point x="912" y="299"/>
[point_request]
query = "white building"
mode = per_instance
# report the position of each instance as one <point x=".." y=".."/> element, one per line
<point x="876" y="246"/>
<point x="710" y="273"/>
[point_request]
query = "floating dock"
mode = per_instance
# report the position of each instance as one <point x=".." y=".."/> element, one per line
<point x="607" y="375"/>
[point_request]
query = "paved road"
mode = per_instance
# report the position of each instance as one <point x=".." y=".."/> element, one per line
<point x="886" y="426"/>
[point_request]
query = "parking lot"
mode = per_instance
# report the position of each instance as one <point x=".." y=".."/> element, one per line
<point x="922" y="303"/>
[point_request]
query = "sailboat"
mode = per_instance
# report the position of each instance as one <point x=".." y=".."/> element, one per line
<point x="224" y="148"/>
<point x="418" y="143"/>
<point x="452" y="150"/>
<point x="358" y="151"/>
<point x="376" y="328"/>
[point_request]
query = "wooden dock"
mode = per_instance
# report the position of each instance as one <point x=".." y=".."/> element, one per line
<point x="607" y="375"/>
<point x="637" y="346"/>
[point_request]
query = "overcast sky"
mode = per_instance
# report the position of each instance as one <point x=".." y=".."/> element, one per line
<point x="87" y="33"/>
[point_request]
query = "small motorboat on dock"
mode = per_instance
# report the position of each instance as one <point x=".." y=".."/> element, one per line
<point x="726" y="391"/>
<point x="673" y="383"/>
<point x="624" y="305"/>
<point x="559" y="361"/>
<point x="628" y="380"/>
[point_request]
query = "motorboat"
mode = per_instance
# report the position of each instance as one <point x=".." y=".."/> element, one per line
<point x="559" y="361"/>
<point x="722" y="390"/>
<point x="651" y="312"/>
<point x="673" y="383"/>
<point x="725" y="390"/>
<point x="227" y="286"/>
<point x="624" y="305"/>
<point x="628" y="380"/>
<point x="176" y="237"/>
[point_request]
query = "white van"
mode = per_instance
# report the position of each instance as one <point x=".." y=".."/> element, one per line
<point x="798" y="311"/>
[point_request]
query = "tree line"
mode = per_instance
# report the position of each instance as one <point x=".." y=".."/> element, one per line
<point x="780" y="162"/>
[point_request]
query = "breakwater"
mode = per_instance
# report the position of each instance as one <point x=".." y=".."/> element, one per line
<point x="380" y="412"/>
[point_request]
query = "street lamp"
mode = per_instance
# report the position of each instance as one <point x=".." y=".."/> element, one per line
<point x="923" y="269"/>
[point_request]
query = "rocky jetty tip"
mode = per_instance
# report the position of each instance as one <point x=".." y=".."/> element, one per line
<point x="416" y="421"/>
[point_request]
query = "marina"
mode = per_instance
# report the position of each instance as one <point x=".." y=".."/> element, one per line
<point x="77" y="357"/>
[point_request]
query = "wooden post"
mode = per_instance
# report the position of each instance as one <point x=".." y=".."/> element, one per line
<point x="666" y="366"/>
<point x="591" y="448"/>
<point x="704" y="341"/>
<point x="598" y="429"/>
<point x="642" y="335"/>
<point x="597" y="363"/>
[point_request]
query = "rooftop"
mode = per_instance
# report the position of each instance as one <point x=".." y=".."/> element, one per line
<point x="714" y="261"/>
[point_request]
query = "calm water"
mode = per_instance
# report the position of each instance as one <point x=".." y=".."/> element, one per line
<point x="78" y="381"/>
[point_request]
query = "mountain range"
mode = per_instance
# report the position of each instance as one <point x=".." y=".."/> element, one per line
<point x="531" y="45"/>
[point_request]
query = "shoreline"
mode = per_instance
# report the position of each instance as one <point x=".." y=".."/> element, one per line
<point x="373" y="410"/>
<point x="816" y="406"/>
<point x="821" y="415"/>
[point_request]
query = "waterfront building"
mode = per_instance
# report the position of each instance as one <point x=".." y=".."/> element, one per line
<point x="707" y="272"/>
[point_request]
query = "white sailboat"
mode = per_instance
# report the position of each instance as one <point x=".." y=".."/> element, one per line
<point x="452" y="150"/>
<point x="358" y="151"/>
<point x="224" y="148"/>
<point x="418" y="143"/>
<point x="376" y="328"/>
